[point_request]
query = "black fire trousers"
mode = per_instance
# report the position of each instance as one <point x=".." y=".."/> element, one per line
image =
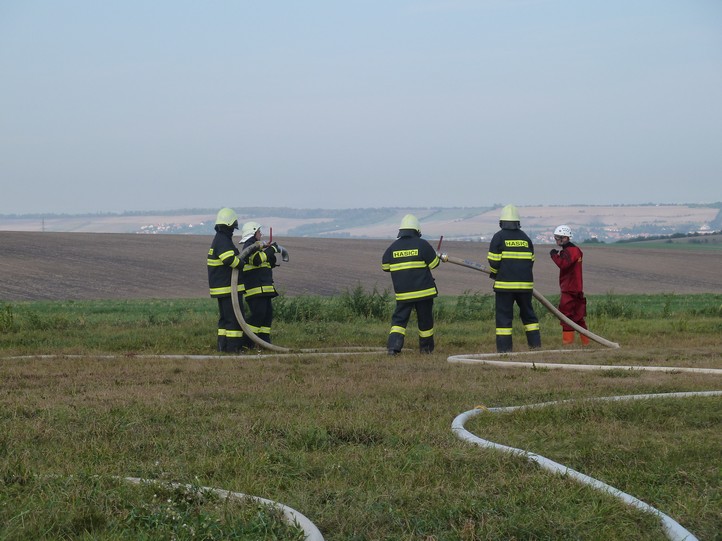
<point x="425" y="320"/>
<point x="505" y="315"/>
<point x="230" y="334"/>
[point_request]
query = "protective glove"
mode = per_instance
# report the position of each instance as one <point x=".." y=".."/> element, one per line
<point x="553" y="251"/>
<point x="284" y="253"/>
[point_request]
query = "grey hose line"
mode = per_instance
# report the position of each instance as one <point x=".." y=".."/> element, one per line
<point x="237" y="306"/>
<point x="249" y="332"/>
<point x="239" y="316"/>
<point x="291" y="516"/>
<point x="538" y="296"/>
<point x="673" y="530"/>
<point x="494" y="359"/>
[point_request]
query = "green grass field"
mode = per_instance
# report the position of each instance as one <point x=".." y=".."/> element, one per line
<point x="360" y="444"/>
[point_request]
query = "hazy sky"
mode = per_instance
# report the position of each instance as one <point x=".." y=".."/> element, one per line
<point x="125" y="105"/>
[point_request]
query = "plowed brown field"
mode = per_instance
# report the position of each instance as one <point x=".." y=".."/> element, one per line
<point x="79" y="266"/>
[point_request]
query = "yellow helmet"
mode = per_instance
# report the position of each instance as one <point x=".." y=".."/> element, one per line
<point x="410" y="222"/>
<point x="227" y="217"/>
<point x="249" y="229"/>
<point x="509" y="214"/>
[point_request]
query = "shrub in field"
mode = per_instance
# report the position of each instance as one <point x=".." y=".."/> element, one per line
<point x="349" y="306"/>
<point x="7" y="318"/>
<point x="300" y="309"/>
<point x="373" y="305"/>
<point x="710" y="311"/>
<point x="612" y="307"/>
<point x="466" y="307"/>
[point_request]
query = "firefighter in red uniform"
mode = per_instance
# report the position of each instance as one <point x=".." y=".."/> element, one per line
<point x="511" y="258"/>
<point x="410" y="259"/>
<point x="258" y="282"/>
<point x="572" y="303"/>
<point x="222" y="259"/>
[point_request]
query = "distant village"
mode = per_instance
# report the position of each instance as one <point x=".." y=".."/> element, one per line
<point x="590" y="223"/>
<point x="582" y="234"/>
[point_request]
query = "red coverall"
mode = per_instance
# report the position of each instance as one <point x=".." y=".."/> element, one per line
<point x="572" y="303"/>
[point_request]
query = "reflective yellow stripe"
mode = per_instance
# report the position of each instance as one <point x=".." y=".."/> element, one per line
<point x="415" y="294"/>
<point x="248" y="267"/>
<point x="260" y="289"/>
<point x="407" y="265"/>
<point x="517" y="255"/>
<point x="260" y="330"/>
<point x="221" y="332"/>
<point x="385" y="266"/>
<point x="503" y="331"/>
<point x="493" y="256"/>
<point x="531" y="327"/>
<point x="397" y="329"/>
<point x="227" y="255"/>
<point x="426" y="334"/>
<point x="215" y="263"/>
<point x="225" y="290"/>
<point x="513" y="285"/>
<point x="234" y="334"/>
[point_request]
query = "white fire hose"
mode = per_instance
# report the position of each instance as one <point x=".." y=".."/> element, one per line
<point x="538" y="296"/>
<point x="262" y="343"/>
<point x="290" y="515"/>
<point x="673" y="530"/>
<point x="237" y="305"/>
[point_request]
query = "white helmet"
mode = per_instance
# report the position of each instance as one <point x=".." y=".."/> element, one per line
<point x="249" y="229"/>
<point x="563" y="231"/>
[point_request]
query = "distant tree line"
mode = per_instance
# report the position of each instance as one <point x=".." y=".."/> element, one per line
<point x="668" y="238"/>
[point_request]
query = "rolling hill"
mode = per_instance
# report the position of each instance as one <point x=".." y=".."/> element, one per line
<point x="605" y="223"/>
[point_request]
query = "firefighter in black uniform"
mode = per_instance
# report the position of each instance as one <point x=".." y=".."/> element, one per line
<point x="410" y="260"/>
<point x="258" y="282"/>
<point x="511" y="258"/>
<point x="222" y="259"/>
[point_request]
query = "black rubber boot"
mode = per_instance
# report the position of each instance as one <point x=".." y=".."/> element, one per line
<point x="395" y="343"/>
<point x="233" y="345"/>
<point x="503" y="344"/>
<point x="533" y="338"/>
<point x="246" y="343"/>
<point x="426" y="345"/>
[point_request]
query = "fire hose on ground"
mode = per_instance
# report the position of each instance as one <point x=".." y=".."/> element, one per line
<point x="290" y="515"/>
<point x="237" y="305"/>
<point x="538" y="296"/>
<point x="247" y="329"/>
<point x="673" y="530"/>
